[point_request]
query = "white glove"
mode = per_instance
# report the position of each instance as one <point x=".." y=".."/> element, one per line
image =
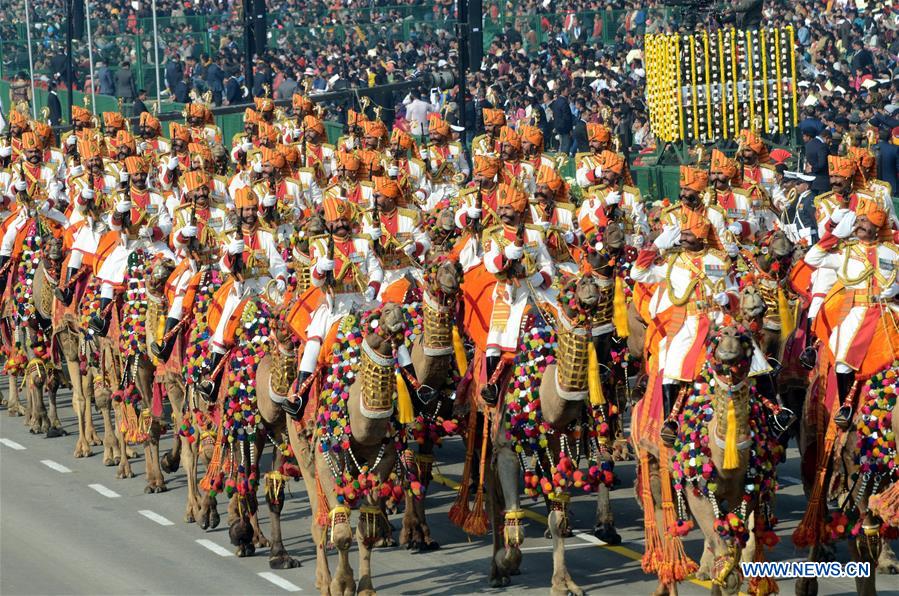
<point x="189" y="231"/>
<point x="370" y="294"/>
<point x="87" y="194"/>
<point x="297" y="133"/>
<point x="173" y="164"/>
<point x="281" y="285"/>
<point x="597" y="171"/>
<point x="123" y="176"/>
<point x="373" y="232"/>
<point x="145" y="232"/>
<point x="5" y="151"/>
<point x="393" y="172"/>
<point x="638" y="241"/>
<point x="76" y="170"/>
<point x="735" y="228"/>
<point x="473" y="213"/>
<point x="545" y="225"/>
<point x="568" y="236"/>
<point x="838" y="214"/>
<point x="246" y="146"/>
<point x="235" y="247"/>
<point x="53" y="188"/>
<point x="324" y="264"/>
<point x="269" y="200"/>
<point x="142" y="147"/>
<point x="722" y="299"/>
<point x="669" y="238"/>
<point x="598" y="247"/>
<point x="21" y="185"/>
<point x="846" y="226"/>
<point x="890" y="292"/>
<point x="72" y="141"/>
<point x="731" y="249"/>
<point x="513" y="252"/>
<point x="536" y="280"/>
<point x="409" y="249"/>
<point x="613" y="198"/>
<point x="257" y="167"/>
<point x="123" y="206"/>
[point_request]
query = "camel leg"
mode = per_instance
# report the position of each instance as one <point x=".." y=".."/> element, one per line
<point x="886" y="562"/>
<point x="103" y="402"/>
<point x="605" y="520"/>
<point x="343" y="583"/>
<point x="14" y="406"/>
<point x="705" y="517"/>
<point x="506" y="474"/>
<point x="82" y="413"/>
<point x="172" y="459"/>
<point x="155" y="481"/>
<point x="416" y="533"/>
<point x="55" y="429"/>
<point x="365" y="587"/>
<point x="655" y="486"/>
<point x="39" y="420"/>
<point x="124" y="469"/>
<point x="860" y="550"/>
<point x="189" y="457"/>
<point x="705" y="562"/>
<point x="562" y="584"/>
<point x="278" y="557"/>
<point x="240" y="530"/>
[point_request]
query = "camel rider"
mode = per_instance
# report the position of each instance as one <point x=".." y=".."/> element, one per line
<point x="144" y="203"/>
<point x="478" y="201"/>
<point x="444" y="161"/>
<point x="149" y="134"/>
<point x="514" y="170"/>
<point x="52" y="156"/>
<point x="346" y="184"/>
<point x="488" y="143"/>
<point x="797" y="219"/>
<point x="31" y="171"/>
<point x="694" y="184"/>
<point x="410" y="172"/>
<point x="862" y="309"/>
<point x="757" y="169"/>
<point x="552" y="211"/>
<point x="516" y="255"/>
<point x="399" y="238"/>
<point x="201" y="124"/>
<point x="610" y="198"/>
<point x="316" y="155"/>
<point x="589" y="163"/>
<point x="119" y="149"/>
<point x="695" y="287"/>
<point x="113" y="122"/>
<point x="736" y="203"/>
<point x="301" y="195"/>
<point x="352" y="140"/>
<point x="18" y="125"/>
<point x="82" y="128"/>
<point x="244" y="142"/>
<point x="302" y="107"/>
<point x="86" y="180"/>
<point x="532" y="147"/>
<point x="347" y="269"/>
<point x="864" y="181"/>
<point x="178" y="158"/>
<point x="254" y="261"/>
<point x="197" y="216"/>
<point x="87" y="224"/>
<point x="370" y="155"/>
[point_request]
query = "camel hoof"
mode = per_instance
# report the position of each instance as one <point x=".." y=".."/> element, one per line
<point x="54" y="432"/>
<point x="703" y="575"/>
<point x="245" y="550"/>
<point x="148" y="490"/>
<point x="807" y="586"/>
<point x="500" y="582"/>
<point x="214" y="520"/>
<point x="566" y="533"/>
<point x="283" y="561"/>
<point x="432" y="545"/>
<point x="189" y="518"/>
<point x="169" y="464"/>
<point x="110" y="462"/>
<point x="204" y="522"/>
<point x="122" y="475"/>
<point x="117" y="459"/>
<point x="607" y="533"/>
<point x="160" y="488"/>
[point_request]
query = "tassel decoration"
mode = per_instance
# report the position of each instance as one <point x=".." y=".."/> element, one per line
<point x="619" y="309"/>
<point x="594" y="384"/>
<point x="459" y="352"/>
<point x="731" y="455"/>
<point x="787" y="318"/>
<point x="404" y="411"/>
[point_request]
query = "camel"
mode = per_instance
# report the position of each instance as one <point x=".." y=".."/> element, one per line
<point x="434" y="356"/>
<point x="369" y="451"/>
<point x="566" y="419"/>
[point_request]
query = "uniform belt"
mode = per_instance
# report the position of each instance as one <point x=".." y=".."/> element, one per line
<point x="861" y="297"/>
<point x="697" y="307"/>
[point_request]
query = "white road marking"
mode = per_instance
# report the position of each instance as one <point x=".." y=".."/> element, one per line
<point x="790" y="479"/>
<point x="589" y="538"/>
<point x="55" y="466"/>
<point x="12" y="444"/>
<point x="219" y="550"/>
<point x="279" y="581"/>
<point x="106" y="492"/>
<point x="153" y="516"/>
<point x="550" y="547"/>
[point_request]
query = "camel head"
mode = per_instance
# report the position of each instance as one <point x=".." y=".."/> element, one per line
<point x="730" y="354"/>
<point x="752" y="305"/>
<point x="159" y="273"/>
<point x="52" y="253"/>
<point x="602" y="246"/>
<point x="444" y="279"/>
<point x="586" y="292"/>
<point x="446" y="221"/>
<point x="776" y="248"/>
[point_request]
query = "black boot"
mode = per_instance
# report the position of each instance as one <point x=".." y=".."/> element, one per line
<point x="669" y="428"/>
<point x="784" y="417"/>
<point x="490" y="392"/>
<point x="809" y="356"/>
<point x="65" y="296"/>
<point x="163" y="349"/>
<point x="207" y="387"/>
<point x="4" y="277"/>
<point x="295" y="408"/>
<point x="99" y="324"/>
<point x="843" y="416"/>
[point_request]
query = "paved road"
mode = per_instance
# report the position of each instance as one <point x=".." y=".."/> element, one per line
<point x="68" y="526"/>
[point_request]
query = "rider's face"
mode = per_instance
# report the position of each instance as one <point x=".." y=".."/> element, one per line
<point x="508" y="215"/>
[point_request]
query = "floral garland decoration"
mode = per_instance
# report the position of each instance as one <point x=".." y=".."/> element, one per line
<point x="28" y="264"/>
<point x="197" y="351"/>
<point x="90" y="304"/>
<point x="134" y="309"/>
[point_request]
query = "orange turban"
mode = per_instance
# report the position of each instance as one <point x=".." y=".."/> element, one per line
<point x="508" y="135"/>
<point x="301" y="103"/>
<point x="136" y="165"/>
<point x="43" y="131"/>
<point x="88" y="149"/>
<point x="245" y="197"/>
<point x="598" y="132"/>
<point x="496" y="117"/>
<point x="79" y="114"/>
<point x="348" y="161"/>
<point x="841" y="166"/>
<point x="30" y="141"/>
<point x="250" y="116"/>
<point x="509" y="195"/>
<point x="371" y="160"/>
<point x="272" y="157"/>
<point x="486" y="165"/>
<point x="113" y="120"/>
<point x="751" y="140"/>
<point x="310" y="122"/>
<point x="198" y="110"/>
<point x="148" y="120"/>
<point x="123" y="138"/>
<point x="403" y="139"/>
<point x="387" y="187"/>
<point x="612" y="161"/>
<point x="194" y="179"/>
<point x="290" y="153"/>
<point x="549" y="177"/>
<point x="179" y="132"/>
<point x="723" y="164"/>
<point x="693" y="178"/>
<point x="695" y="222"/>
<point x="374" y="128"/>
<point x="872" y="210"/>
<point x="264" y="104"/>
<point x="354" y="118"/>
<point x="532" y="135"/>
<point x="335" y="208"/>
<point x="202" y="150"/>
<point x="866" y="163"/>
<point x="438" y="126"/>
<point x="268" y="132"/>
<point x="17" y="118"/>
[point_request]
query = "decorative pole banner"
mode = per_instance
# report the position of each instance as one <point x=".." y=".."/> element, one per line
<point x="705" y="88"/>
